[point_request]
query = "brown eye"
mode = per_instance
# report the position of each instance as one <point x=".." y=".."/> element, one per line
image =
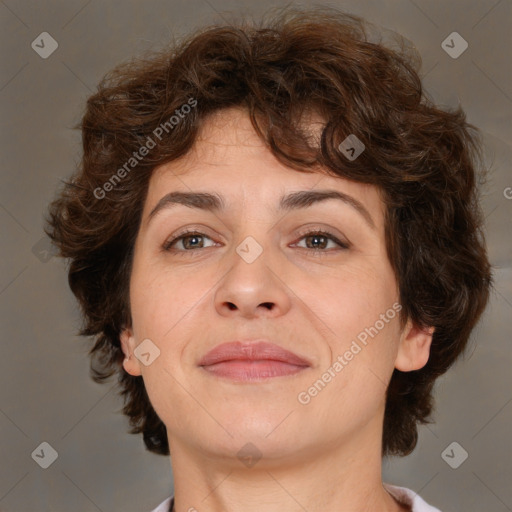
<point x="188" y="241"/>
<point x="319" y="240"/>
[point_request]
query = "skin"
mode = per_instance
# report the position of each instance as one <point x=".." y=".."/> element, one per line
<point x="324" y="455"/>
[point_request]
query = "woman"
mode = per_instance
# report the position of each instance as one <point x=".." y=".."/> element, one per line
<point x="276" y="241"/>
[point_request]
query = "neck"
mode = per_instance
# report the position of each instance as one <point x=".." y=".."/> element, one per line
<point x="338" y="478"/>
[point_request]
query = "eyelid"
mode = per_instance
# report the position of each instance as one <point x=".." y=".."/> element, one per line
<point x="342" y="241"/>
<point x="180" y="234"/>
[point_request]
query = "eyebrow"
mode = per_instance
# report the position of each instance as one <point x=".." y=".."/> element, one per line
<point x="303" y="199"/>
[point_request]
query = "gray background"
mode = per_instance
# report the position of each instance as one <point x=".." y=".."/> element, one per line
<point x="46" y="393"/>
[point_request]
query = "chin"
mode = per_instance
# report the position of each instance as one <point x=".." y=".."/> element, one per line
<point x="253" y="449"/>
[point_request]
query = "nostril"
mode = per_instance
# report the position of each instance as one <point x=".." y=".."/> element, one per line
<point x="268" y="305"/>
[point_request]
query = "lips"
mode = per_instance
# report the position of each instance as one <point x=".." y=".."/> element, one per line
<point x="254" y="360"/>
<point x="254" y="351"/>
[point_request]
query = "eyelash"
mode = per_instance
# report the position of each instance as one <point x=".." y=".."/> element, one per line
<point x="317" y="252"/>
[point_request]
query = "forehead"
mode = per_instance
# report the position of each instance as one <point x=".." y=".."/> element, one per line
<point x="228" y="156"/>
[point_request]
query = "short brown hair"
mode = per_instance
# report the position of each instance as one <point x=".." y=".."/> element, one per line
<point x="423" y="159"/>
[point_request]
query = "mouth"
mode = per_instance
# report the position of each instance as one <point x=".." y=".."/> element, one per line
<point x="254" y="361"/>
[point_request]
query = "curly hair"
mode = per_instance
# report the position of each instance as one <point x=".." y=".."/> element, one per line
<point x="422" y="158"/>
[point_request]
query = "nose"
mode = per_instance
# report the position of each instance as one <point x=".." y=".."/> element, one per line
<point x="252" y="287"/>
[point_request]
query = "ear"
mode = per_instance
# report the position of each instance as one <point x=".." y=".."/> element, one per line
<point x="414" y="349"/>
<point x="130" y="363"/>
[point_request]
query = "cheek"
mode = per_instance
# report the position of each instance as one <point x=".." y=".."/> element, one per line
<point x="160" y="297"/>
<point x="350" y="299"/>
<point x="354" y="381"/>
<point x="161" y="302"/>
<point x="359" y="320"/>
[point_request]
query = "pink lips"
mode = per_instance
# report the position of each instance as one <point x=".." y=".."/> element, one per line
<point x="251" y="361"/>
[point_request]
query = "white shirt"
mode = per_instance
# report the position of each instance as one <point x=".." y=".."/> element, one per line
<point x="401" y="494"/>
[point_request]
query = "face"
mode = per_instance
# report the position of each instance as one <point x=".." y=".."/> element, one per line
<point x="311" y="277"/>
